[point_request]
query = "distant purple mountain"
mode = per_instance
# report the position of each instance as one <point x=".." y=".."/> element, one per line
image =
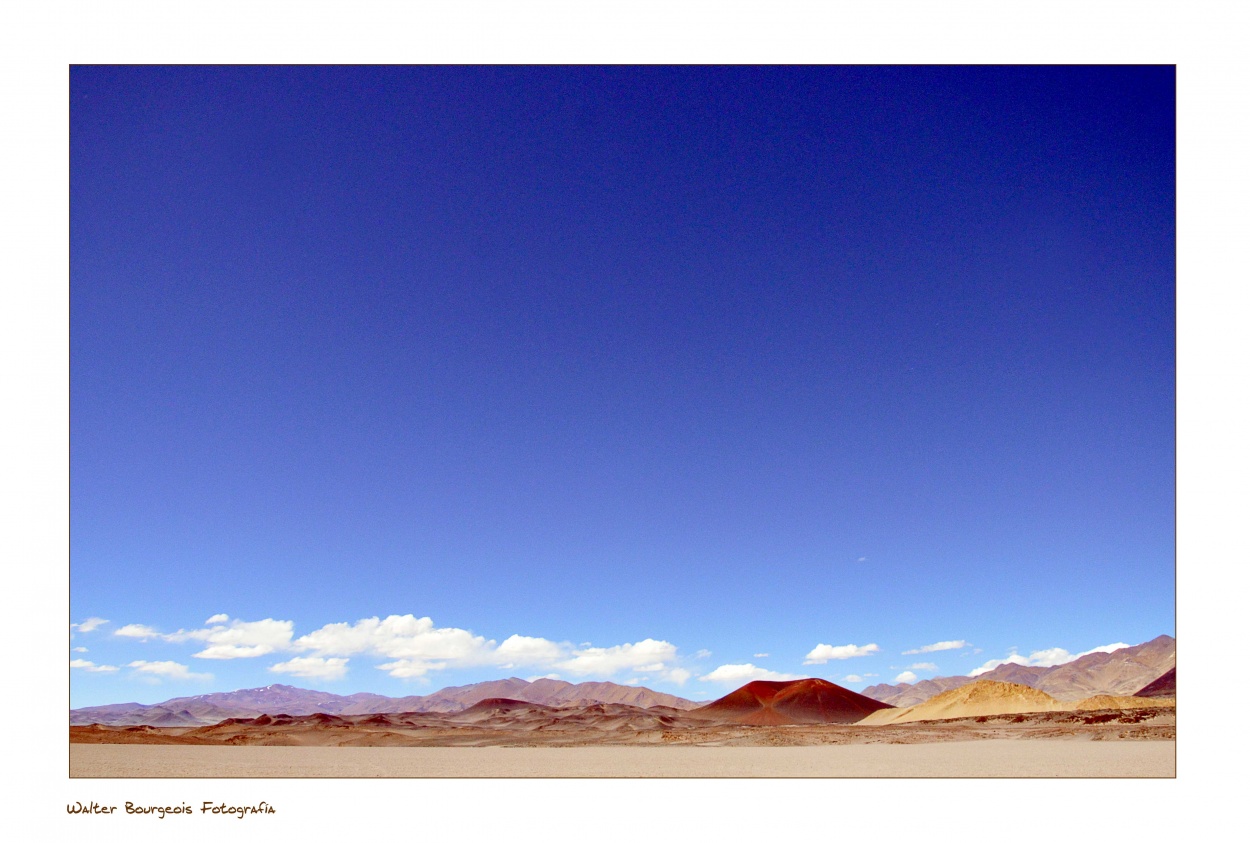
<point x="207" y="709"/>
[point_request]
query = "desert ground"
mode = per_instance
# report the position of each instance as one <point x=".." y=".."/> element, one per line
<point x="984" y="758"/>
<point x="622" y="741"/>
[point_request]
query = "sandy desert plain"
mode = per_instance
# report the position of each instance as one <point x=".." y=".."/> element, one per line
<point x="802" y="728"/>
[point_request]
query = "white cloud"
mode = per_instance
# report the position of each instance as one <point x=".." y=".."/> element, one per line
<point x="906" y="676"/>
<point x="702" y="654"/>
<point x="1105" y="648"/>
<point x="221" y="618"/>
<point x="80" y="649"/>
<point x="852" y="678"/>
<point x="239" y="639"/>
<point x="88" y="625"/>
<point x="609" y="660"/>
<point x="410" y="668"/>
<point x="520" y="649"/>
<point x="545" y="676"/>
<point x="679" y="675"/>
<point x="862" y="559"/>
<point x="742" y="673"/>
<point x="933" y="648"/>
<point x="923" y="666"/>
<point x="404" y="638"/>
<point x="822" y="653"/>
<point x="137" y="630"/>
<point x="1045" y="658"/>
<point x="314" y="667"/>
<point x="91" y="667"/>
<point x="168" y="670"/>
<point x="1050" y="657"/>
<point x="760" y="656"/>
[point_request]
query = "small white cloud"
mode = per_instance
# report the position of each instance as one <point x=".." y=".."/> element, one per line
<point x="862" y="559"/>
<point x="906" y="676"/>
<point x="703" y="654"/>
<point x="741" y="673"/>
<point x="1105" y="648"/>
<point x="410" y="668"/>
<point x="633" y="681"/>
<point x="678" y="675"/>
<point x="1050" y="657"/>
<point x="137" y="630"/>
<point x="923" y="666"/>
<point x="167" y="670"/>
<point x="546" y="676"/>
<point x="934" y="648"/>
<point x="760" y="656"/>
<point x="91" y="667"/>
<point x="313" y="667"/>
<point x="221" y="618"/>
<point x="823" y="653"/>
<point x="852" y="678"/>
<point x="80" y="649"/>
<point x="88" y="625"/>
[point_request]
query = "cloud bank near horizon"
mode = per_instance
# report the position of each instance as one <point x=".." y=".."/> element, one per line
<point x="411" y="647"/>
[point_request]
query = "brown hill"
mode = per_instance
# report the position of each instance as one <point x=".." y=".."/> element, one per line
<point x="763" y="703"/>
<point x="980" y="698"/>
<point x="1103" y="702"/>
<point x="556" y="692"/>
<point x="456" y="698"/>
<point x="904" y="694"/>
<point x="1164" y="686"/>
<point x="1017" y="674"/>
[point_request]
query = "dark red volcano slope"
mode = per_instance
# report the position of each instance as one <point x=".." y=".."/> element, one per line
<point x="788" y="703"/>
<point x="1164" y="686"/>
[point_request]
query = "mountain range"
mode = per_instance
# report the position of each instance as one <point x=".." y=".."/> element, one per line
<point x="207" y="709"/>
<point x="1121" y="672"/>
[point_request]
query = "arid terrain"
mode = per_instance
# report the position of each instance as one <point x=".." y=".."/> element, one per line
<point x="802" y="727"/>
<point x="604" y="725"/>
<point x="980" y="758"/>
<point x="605" y="740"/>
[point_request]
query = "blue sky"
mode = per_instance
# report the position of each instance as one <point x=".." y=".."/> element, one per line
<point x="390" y="379"/>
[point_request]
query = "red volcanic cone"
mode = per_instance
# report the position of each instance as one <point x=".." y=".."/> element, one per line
<point x="763" y="703"/>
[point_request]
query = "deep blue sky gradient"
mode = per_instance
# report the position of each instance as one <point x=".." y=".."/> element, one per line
<point x="743" y="359"/>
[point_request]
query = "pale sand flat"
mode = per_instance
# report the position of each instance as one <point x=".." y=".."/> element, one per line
<point x="990" y="758"/>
